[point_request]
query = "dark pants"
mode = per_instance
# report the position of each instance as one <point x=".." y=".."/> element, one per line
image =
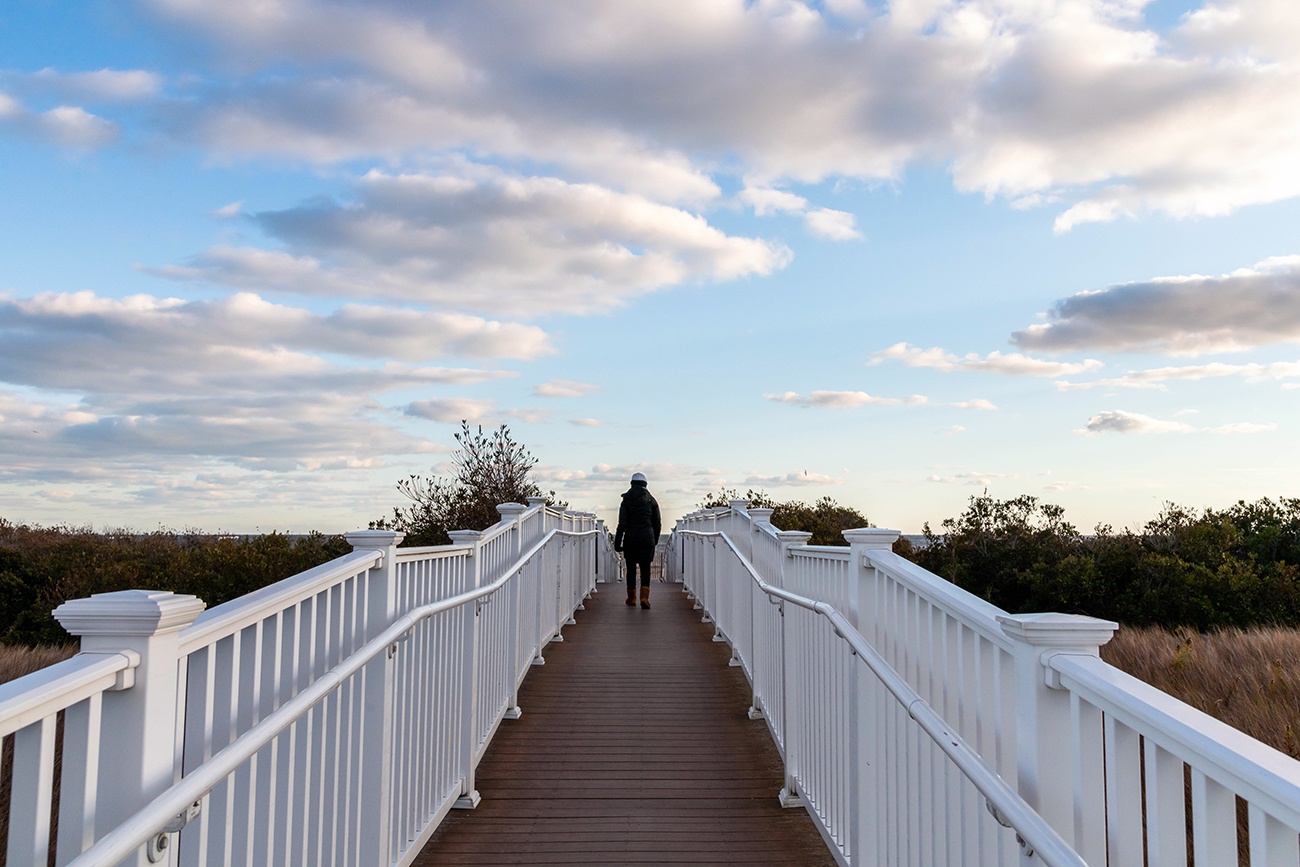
<point x="635" y="559"/>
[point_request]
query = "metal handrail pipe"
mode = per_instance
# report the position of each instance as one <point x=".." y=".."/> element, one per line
<point x="1026" y="822"/>
<point x="149" y="820"/>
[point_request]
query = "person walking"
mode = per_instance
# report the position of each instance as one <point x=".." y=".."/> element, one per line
<point x="637" y="535"/>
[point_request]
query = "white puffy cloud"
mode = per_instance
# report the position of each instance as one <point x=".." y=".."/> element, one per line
<point x="1158" y="377"/>
<point x="797" y="479"/>
<point x="66" y="126"/>
<point x="452" y="409"/>
<point x="1012" y="364"/>
<point x="822" y="222"/>
<point x="833" y="399"/>
<point x="979" y="404"/>
<point x="832" y="225"/>
<point x="114" y="85"/>
<point x="482" y="239"/>
<point x="607" y="475"/>
<point x="1119" y="421"/>
<point x="969" y="477"/>
<point x="587" y="422"/>
<point x="565" y="388"/>
<point x="1178" y="315"/>
<point x="1243" y="427"/>
<point x="766" y="201"/>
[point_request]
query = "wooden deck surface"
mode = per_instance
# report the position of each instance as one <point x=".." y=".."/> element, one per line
<point x="633" y="748"/>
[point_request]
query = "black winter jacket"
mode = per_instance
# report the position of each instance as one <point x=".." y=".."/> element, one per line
<point x="638" y="523"/>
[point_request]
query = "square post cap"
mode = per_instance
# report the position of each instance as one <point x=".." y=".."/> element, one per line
<point x="790" y="538"/>
<point x="737" y="505"/>
<point x="464" y="537"/>
<point x="871" y="537"/>
<point x="366" y="540"/>
<point x="536" y="501"/>
<point x="129" y="612"/>
<point x="509" y="511"/>
<point x="761" y="516"/>
<point x="1058" y="630"/>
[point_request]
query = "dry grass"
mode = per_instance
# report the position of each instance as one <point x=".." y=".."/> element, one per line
<point x="1248" y="678"/>
<point x="17" y="661"/>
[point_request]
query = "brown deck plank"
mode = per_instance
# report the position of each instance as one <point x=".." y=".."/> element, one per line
<point x="634" y="748"/>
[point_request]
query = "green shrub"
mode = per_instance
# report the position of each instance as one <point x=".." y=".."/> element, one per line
<point x="42" y="567"/>
<point x="1236" y="567"/>
<point x="825" y="519"/>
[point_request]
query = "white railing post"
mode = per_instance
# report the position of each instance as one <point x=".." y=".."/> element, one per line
<point x="789" y="795"/>
<point x="1045" y="755"/>
<point x="758" y="518"/>
<point x="469" y="796"/>
<point x="601" y="531"/>
<point x="139" y="724"/>
<point x="789" y="539"/>
<point x="735" y="521"/>
<point x="514" y="512"/>
<point x="376" y="759"/>
<point x="860" y="541"/>
<point x="540" y="525"/>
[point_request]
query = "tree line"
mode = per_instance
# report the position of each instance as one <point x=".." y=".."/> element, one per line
<point x="42" y="567"/>
<point x="1206" y="569"/>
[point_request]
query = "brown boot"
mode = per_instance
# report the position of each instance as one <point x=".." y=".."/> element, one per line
<point x="631" y="596"/>
<point x="645" y="597"/>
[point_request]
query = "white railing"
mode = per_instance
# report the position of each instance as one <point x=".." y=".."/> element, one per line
<point x="332" y="718"/>
<point x="863" y="664"/>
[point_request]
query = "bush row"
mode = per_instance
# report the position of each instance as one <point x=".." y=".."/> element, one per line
<point x="41" y="567"/>
<point x="1235" y="567"/>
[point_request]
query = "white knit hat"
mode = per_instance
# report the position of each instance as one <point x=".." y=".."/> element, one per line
<point x="638" y="477"/>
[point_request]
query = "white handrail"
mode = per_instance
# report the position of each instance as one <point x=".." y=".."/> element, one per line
<point x="1031" y="827"/>
<point x="977" y="613"/>
<point x="50" y="690"/>
<point x="1198" y="738"/>
<point x="149" y="820"/>
<point x="216" y="623"/>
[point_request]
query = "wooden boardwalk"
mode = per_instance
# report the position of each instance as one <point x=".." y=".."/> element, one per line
<point x="634" y="748"/>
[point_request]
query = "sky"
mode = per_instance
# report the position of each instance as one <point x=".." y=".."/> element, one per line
<point x="259" y="258"/>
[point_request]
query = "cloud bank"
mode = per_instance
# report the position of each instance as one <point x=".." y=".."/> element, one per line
<point x="1033" y="103"/>
<point x="480" y="239"/>
<point x="1190" y="315"/>
<point x="1013" y="364"/>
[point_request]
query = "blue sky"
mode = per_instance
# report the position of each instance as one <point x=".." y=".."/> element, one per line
<point x="260" y="256"/>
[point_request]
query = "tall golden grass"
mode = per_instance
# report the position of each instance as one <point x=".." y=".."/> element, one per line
<point x="17" y="661"/>
<point x="1248" y="678"/>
